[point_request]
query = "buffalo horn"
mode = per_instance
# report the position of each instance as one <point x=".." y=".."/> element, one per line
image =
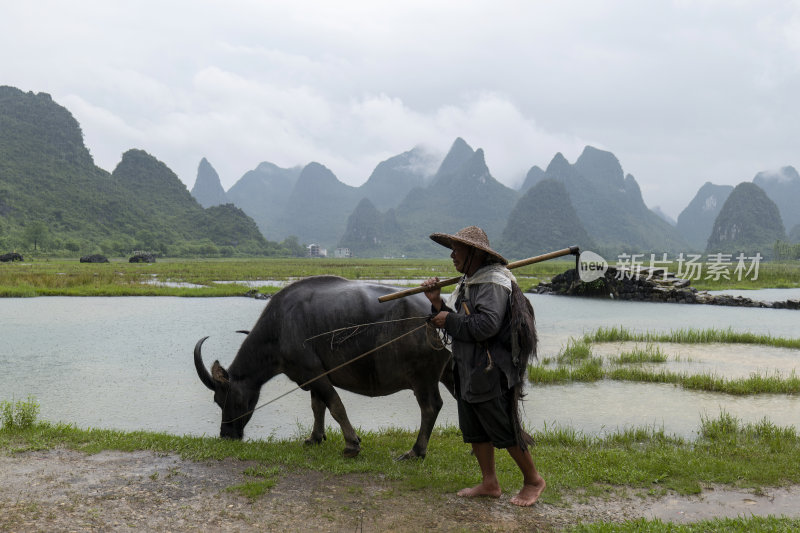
<point x="205" y="376"/>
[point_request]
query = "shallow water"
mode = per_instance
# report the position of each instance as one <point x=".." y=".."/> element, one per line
<point x="716" y="359"/>
<point x="560" y="317"/>
<point x="763" y="295"/>
<point x="126" y="363"/>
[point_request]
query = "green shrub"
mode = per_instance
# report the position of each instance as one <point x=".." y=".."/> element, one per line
<point x="19" y="414"/>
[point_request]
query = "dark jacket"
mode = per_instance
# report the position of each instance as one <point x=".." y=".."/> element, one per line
<point x="487" y="328"/>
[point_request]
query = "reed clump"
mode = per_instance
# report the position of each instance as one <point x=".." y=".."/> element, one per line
<point x="651" y="353"/>
<point x="690" y="336"/>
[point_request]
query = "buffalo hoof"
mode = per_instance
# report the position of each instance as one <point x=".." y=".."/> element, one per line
<point x="351" y="452"/>
<point x="411" y="454"/>
<point x="314" y="439"/>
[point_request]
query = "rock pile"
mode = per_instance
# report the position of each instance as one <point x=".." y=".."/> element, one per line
<point x="142" y="257"/>
<point x="647" y="286"/>
<point x="94" y="258"/>
<point x="13" y="256"/>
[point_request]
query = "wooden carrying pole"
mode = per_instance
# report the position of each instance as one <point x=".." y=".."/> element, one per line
<point x="573" y="250"/>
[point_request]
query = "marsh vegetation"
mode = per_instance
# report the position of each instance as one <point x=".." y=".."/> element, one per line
<point x="201" y="277"/>
<point x="576" y="361"/>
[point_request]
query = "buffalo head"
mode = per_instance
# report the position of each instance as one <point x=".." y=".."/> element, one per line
<point x="235" y="397"/>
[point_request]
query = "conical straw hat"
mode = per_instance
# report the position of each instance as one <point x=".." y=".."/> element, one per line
<point x="471" y="236"/>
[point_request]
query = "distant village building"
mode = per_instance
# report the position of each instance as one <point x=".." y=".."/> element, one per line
<point x="342" y="253"/>
<point x="314" y="250"/>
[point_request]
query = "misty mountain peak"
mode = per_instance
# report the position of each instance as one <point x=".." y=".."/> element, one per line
<point x="316" y="174"/>
<point x="479" y="172"/>
<point x="265" y="167"/>
<point x="473" y="172"/>
<point x="534" y="176"/>
<point x="631" y="187"/>
<point x="783" y="187"/>
<point x="600" y="165"/>
<point x="138" y="166"/>
<point x="558" y="164"/>
<point x="543" y="219"/>
<point x="460" y="152"/>
<point x="396" y="176"/>
<point x="207" y="188"/>
<point x="696" y="221"/>
<point x="784" y="175"/>
<point x="748" y="221"/>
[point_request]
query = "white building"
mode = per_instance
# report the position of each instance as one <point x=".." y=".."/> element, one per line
<point x="342" y="253"/>
<point x="314" y="250"/>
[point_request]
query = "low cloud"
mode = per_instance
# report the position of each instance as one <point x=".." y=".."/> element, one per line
<point x="237" y="123"/>
<point x="681" y="92"/>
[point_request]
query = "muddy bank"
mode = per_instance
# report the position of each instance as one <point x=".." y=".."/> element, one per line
<point x="63" y="490"/>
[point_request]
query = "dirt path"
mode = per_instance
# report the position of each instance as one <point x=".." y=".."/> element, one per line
<point x="63" y="490"/>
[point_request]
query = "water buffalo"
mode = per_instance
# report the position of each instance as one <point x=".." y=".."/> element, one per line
<point x="281" y="342"/>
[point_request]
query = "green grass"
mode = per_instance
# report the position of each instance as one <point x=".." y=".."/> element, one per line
<point x="724" y="434"/>
<point x="69" y="277"/>
<point x="634" y="462"/>
<point x="754" y="384"/>
<point x="575" y="363"/>
<point x="575" y="351"/>
<point x="649" y="354"/>
<point x="772" y="274"/>
<point x="690" y="336"/>
<point x="726" y="452"/>
<point x="20" y="414"/>
<point x="719" y="525"/>
<point x="264" y="479"/>
<point x="586" y="371"/>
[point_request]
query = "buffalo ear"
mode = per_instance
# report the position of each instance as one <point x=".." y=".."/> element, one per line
<point x="218" y="373"/>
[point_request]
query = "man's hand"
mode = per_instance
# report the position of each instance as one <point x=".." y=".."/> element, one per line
<point x="439" y="319"/>
<point x="433" y="293"/>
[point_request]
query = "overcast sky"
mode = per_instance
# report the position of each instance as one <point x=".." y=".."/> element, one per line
<point x="681" y="92"/>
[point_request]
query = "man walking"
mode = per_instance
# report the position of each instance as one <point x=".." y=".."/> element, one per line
<point x="478" y="319"/>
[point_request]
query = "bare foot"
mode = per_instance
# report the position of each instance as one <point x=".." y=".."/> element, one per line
<point x="492" y="490"/>
<point x="529" y="493"/>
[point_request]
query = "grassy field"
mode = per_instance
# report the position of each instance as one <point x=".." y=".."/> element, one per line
<point x="774" y="274"/>
<point x="641" y="461"/>
<point x="169" y="277"/>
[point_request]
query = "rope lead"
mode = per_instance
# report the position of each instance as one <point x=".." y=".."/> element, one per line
<point x="373" y="350"/>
